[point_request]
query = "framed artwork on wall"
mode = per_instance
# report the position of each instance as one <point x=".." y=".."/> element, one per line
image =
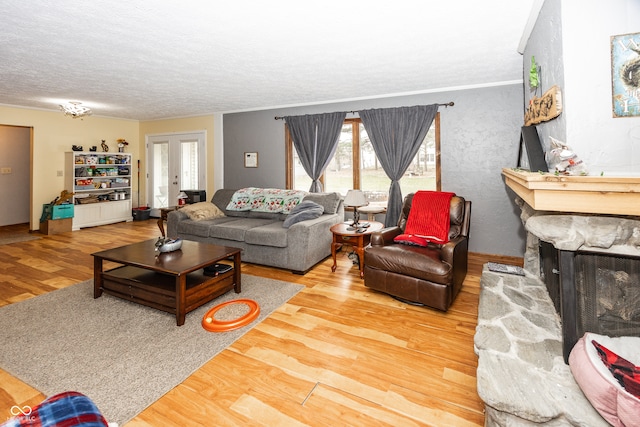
<point x="250" y="159"/>
<point x="625" y="74"/>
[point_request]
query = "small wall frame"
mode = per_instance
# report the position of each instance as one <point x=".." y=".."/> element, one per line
<point x="250" y="159"/>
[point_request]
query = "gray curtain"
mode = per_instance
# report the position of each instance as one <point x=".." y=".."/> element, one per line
<point x="396" y="135"/>
<point x="315" y="138"/>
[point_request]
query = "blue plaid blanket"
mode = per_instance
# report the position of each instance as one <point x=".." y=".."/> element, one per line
<point x="69" y="409"/>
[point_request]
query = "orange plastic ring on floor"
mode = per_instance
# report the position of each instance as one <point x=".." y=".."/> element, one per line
<point x="211" y="324"/>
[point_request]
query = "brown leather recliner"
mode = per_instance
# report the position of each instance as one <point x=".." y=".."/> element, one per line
<point x="431" y="275"/>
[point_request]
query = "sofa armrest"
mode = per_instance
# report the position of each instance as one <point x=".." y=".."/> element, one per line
<point x="311" y="239"/>
<point x="385" y="236"/>
<point x="173" y="218"/>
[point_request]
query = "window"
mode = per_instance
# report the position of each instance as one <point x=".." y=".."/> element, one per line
<point x="355" y="165"/>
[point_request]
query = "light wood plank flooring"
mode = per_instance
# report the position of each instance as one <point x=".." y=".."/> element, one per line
<point x="336" y="354"/>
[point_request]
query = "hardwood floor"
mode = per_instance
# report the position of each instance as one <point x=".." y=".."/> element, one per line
<point x="335" y="354"/>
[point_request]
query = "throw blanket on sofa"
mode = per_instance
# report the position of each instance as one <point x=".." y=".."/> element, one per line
<point x="428" y="219"/>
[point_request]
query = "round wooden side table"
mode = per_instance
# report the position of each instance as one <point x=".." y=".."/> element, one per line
<point x="372" y="210"/>
<point x="359" y="238"/>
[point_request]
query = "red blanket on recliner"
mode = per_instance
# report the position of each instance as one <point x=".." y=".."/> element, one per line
<point x="428" y="219"/>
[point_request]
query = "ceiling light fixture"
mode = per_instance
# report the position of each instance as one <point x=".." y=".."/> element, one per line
<point x="74" y="109"/>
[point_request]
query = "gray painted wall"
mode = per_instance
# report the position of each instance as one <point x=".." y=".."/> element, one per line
<point x="545" y="43"/>
<point x="480" y="136"/>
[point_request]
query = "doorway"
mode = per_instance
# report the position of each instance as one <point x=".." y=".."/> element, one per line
<point x="15" y="175"/>
<point x="176" y="162"/>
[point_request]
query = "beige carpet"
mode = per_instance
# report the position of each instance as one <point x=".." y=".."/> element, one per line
<point x="122" y="355"/>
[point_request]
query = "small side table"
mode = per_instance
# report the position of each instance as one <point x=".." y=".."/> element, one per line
<point x="372" y="210"/>
<point x="359" y="240"/>
<point x="163" y="217"/>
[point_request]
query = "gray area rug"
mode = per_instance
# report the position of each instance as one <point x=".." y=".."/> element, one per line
<point x="122" y="355"/>
<point x="6" y="239"/>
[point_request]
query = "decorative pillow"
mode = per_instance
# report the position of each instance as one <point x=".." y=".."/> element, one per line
<point x="411" y="239"/>
<point x="329" y="201"/>
<point x="303" y="211"/>
<point x="608" y="397"/>
<point x="291" y="199"/>
<point x="202" y="210"/>
<point x="243" y="198"/>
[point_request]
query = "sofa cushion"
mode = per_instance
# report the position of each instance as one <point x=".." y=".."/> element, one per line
<point x="415" y="261"/>
<point x="202" y="210"/>
<point x="195" y="228"/>
<point x="267" y="235"/>
<point x="236" y="230"/>
<point x="329" y="201"/>
<point x="304" y="211"/>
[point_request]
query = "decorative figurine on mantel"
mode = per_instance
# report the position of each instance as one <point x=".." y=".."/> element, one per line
<point x="104" y="146"/>
<point x="121" y="144"/>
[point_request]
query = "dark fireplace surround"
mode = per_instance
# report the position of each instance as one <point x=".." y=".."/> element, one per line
<point x="590" y="265"/>
<point x="592" y="292"/>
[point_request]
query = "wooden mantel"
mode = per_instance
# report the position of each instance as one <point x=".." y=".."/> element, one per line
<point x="580" y="194"/>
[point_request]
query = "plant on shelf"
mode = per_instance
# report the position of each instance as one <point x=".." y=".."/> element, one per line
<point x="121" y="144"/>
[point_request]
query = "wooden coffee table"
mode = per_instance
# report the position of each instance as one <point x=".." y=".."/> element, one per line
<point x="173" y="281"/>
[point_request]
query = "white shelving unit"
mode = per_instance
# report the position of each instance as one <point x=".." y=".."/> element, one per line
<point x="101" y="183"/>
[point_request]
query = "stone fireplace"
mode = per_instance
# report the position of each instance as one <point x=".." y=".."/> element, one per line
<point x="591" y="268"/>
<point x="582" y="264"/>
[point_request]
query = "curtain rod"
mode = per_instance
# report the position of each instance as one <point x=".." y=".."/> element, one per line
<point x="448" y="104"/>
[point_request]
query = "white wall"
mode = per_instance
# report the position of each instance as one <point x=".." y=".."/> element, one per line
<point x="606" y="144"/>
<point x="580" y="63"/>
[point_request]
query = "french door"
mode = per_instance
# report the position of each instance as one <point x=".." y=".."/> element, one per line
<point x="176" y="162"/>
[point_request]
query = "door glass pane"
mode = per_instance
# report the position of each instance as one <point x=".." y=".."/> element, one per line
<point x="160" y="172"/>
<point x="339" y="173"/>
<point x="189" y="165"/>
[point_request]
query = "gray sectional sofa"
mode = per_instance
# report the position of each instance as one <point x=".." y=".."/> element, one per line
<point x="261" y="235"/>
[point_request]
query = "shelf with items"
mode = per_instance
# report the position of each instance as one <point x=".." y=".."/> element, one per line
<point x="101" y="177"/>
<point x="101" y="183"/>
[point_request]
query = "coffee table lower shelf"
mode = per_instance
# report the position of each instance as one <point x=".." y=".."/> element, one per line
<point x="158" y="290"/>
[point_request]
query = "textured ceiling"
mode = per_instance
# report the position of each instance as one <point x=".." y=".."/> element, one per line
<point x="144" y="59"/>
